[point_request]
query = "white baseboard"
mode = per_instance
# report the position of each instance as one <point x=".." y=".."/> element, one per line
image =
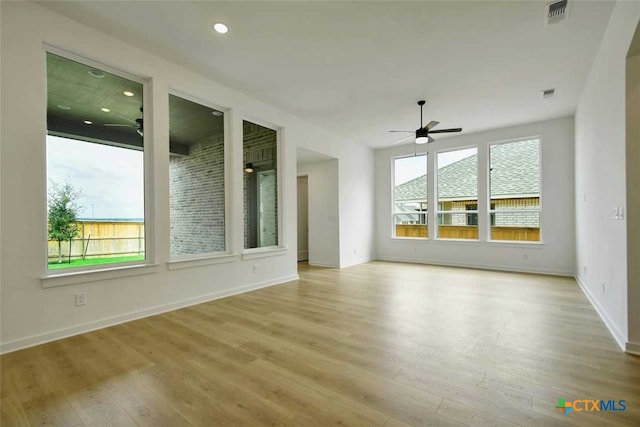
<point x="356" y="262"/>
<point x="633" y="348"/>
<point x="22" y="343"/>
<point x="303" y="255"/>
<point x="320" y="264"/>
<point x="479" y="267"/>
<point x="608" y="322"/>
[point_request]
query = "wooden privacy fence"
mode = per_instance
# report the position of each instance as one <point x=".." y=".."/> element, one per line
<point x="103" y="239"/>
<point x="531" y="234"/>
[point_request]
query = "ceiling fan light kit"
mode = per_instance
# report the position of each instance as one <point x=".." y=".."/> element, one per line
<point x="422" y="134"/>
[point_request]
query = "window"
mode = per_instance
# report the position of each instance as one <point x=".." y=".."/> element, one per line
<point x="260" y="165"/>
<point x="472" y="218"/>
<point x="458" y="194"/>
<point x="410" y="197"/>
<point x="95" y="166"/>
<point x="196" y="173"/>
<point x="515" y="190"/>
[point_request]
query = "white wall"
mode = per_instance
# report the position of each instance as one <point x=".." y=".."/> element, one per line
<point x="556" y="253"/>
<point x="633" y="200"/>
<point x="324" y="228"/>
<point x="303" y="218"/>
<point x="601" y="241"/>
<point x="31" y="314"/>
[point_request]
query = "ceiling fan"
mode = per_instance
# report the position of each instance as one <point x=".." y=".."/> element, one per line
<point x="422" y="135"/>
<point x="137" y="123"/>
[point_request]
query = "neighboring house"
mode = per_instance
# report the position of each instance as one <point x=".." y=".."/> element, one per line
<point x="515" y="186"/>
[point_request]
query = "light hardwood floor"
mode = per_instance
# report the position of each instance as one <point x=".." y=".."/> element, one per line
<point x="378" y="344"/>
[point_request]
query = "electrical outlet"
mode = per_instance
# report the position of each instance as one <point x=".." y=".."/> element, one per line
<point x="81" y="299"/>
<point x="525" y="257"/>
<point x="584" y="268"/>
<point x="255" y="268"/>
<point x="603" y="288"/>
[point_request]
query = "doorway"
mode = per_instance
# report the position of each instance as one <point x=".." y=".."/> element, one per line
<point x="303" y="218"/>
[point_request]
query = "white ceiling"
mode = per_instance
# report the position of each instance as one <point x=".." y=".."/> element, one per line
<point x="358" y="68"/>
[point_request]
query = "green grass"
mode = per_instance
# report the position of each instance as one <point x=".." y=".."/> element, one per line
<point x="53" y="263"/>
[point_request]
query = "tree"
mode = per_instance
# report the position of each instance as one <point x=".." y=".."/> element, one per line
<point x="63" y="212"/>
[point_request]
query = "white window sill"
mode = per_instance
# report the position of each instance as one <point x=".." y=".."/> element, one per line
<point x="263" y="252"/>
<point x="77" y="277"/>
<point x="178" y="264"/>
<point x="516" y="243"/>
<point x="412" y="239"/>
<point x="472" y="241"/>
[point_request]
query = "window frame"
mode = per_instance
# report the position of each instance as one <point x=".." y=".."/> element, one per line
<point x="72" y="275"/>
<point x="393" y="197"/>
<point x="182" y="261"/>
<point x="281" y="248"/>
<point x="437" y="202"/>
<point x="540" y="192"/>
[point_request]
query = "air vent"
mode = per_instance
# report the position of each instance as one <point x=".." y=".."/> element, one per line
<point x="557" y="11"/>
<point x="548" y="93"/>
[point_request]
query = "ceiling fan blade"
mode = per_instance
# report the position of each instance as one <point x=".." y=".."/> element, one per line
<point x="403" y="131"/>
<point x="403" y="139"/>
<point x="430" y="140"/>
<point x="115" y="125"/>
<point x="431" y="124"/>
<point x="446" y="130"/>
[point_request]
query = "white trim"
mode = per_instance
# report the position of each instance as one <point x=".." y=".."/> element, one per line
<point x="608" y="322"/>
<point x="412" y="239"/>
<point x="95" y="272"/>
<point x="517" y="243"/>
<point x="84" y="59"/>
<point x="478" y="266"/>
<point x="632" y="348"/>
<point x="179" y="264"/>
<point x="34" y="340"/>
<point x="356" y="262"/>
<point x="319" y="264"/>
<point x="445" y="239"/>
<point x="226" y="126"/>
<point x="78" y="277"/>
<point x="263" y="252"/>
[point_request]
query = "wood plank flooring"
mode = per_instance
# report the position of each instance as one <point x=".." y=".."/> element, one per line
<point x="378" y="344"/>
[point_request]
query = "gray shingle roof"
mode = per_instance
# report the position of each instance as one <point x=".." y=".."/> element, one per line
<point x="514" y="173"/>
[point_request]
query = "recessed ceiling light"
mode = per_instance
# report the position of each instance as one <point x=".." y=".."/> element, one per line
<point x="106" y="110"/>
<point x="88" y="122"/>
<point x="96" y="73"/>
<point x="216" y="113"/>
<point x="127" y="93"/>
<point x="221" y="28"/>
<point x="64" y="107"/>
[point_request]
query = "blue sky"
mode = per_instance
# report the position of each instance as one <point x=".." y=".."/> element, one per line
<point x="111" y="178"/>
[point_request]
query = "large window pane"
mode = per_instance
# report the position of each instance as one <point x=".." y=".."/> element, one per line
<point x="410" y="197"/>
<point x="260" y="164"/>
<point x="515" y="190"/>
<point x="458" y="194"/>
<point x="95" y="166"/>
<point x="196" y="171"/>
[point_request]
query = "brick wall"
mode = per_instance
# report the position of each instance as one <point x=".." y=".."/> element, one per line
<point x="197" y="198"/>
<point x="260" y="148"/>
<point x="506" y="219"/>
